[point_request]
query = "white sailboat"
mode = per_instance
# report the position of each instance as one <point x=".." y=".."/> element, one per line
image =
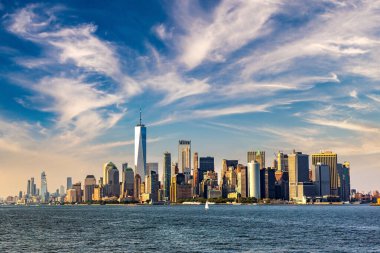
<point x="206" y="205"/>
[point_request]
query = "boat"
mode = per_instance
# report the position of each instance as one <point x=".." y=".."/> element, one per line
<point x="206" y="205"/>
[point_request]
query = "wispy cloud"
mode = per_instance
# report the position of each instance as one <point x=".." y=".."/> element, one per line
<point x="344" y="124"/>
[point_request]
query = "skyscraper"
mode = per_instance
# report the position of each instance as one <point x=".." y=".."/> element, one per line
<point x="282" y="162"/>
<point x="344" y="181"/>
<point x="127" y="181"/>
<point x="298" y="173"/>
<point x="167" y="174"/>
<point x="258" y="156"/>
<point x="242" y="181"/>
<point x="89" y="185"/>
<point x="321" y="178"/>
<point x="28" y="188"/>
<point x="140" y="149"/>
<point x="32" y="187"/>
<point x="184" y="155"/>
<point x="137" y="187"/>
<point x="195" y="174"/>
<point x="151" y="167"/>
<point x="69" y="183"/>
<point x="44" y="191"/>
<point x="78" y="192"/>
<point x="329" y="158"/>
<point x="253" y="179"/>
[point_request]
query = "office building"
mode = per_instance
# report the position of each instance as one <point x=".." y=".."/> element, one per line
<point x="28" y="188"/>
<point x="69" y="183"/>
<point x="257" y="156"/>
<point x="140" y="149"/>
<point x="88" y="188"/>
<point x="282" y="161"/>
<point x="179" y="189"/>
<point x="196" y="174"/>
<point x="184" y="155"/>
<point x="267" y="183"/>
<point x="208" y="183"/>
<point x="321" y="179"/>
<point x="298" y="173"/>
<point x="127" y="181"/>
<point x="167" y="174"/>
<point x="344" y="184"/>
<point x="71" y="196"/>
<point x="241" y="179"/>
<point x="253" y="179"/>
<point x="152" y="186"/>
<point x="137" y="187"/>
<point x="151" y="167"/>
<point x="44" y="190"/>
<point x="328" y="158"/>
<point x="111" y="180"/>
<point x="78" y="191"/>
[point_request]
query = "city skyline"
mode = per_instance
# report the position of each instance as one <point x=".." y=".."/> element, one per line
<point x="73" y="81"/>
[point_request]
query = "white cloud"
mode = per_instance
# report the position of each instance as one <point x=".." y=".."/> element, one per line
<point x="230" y="26"/>
<point x="344" y="124"/>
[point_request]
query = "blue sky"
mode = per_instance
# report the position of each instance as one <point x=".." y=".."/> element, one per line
<point x="229" y="75"/>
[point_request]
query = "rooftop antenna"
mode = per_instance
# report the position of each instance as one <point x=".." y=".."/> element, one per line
<point x="140" y="116"/>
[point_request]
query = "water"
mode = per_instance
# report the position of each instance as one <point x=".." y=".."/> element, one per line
<point x="190" y="229"/>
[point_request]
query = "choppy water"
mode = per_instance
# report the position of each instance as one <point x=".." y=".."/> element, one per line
<point x="190" y="229"/>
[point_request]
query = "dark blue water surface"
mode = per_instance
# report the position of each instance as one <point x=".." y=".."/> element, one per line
<point x="190" y="229"/>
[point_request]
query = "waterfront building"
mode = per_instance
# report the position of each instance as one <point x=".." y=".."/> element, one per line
<point x="137" y="187"/>
<point x="78" y="191"/>
<point x="267" y="183"/>
<point x="253" y="179"/>
<point x="97" y="195"/>
<point x="209" y="182"/>
<point x="32" y="187"/>
<point x="179" y="189"/>
<point x="282" y="185"/>
<point x="69" y="183"/>
<point x="88" y="188"/>
<point x="344" y="185"/>
<point x="241" y="179"/>
<point x="127" y="181"/>
<point x="321" y="179"/>
<point x="174" y="169"/>
<point x="44" y="190"/>
<point x="151" y="187"/>
<point x="140" y="149"/>
<point x="71" y="196"/>
<point x="28" y="188"/>
<point x="257" y="156"/>
<point x="205" y="164"/>
<point x="329" y="158"/>
<point x="298" y="173"/>
<point x="111" y="180"/>
<point x="167" y="175"/>
<point x="61" y="190"/>
<point x="196" y="174"/>
<point x="184" y="155"/>
<point x="282" y="161"/>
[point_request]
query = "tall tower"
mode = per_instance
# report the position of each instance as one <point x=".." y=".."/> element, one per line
<point x="253" y="179"/>
<point x="44" y="192"/>
<point x="140" y="149"/>
<point x="167" y="174"/>
<point x="298" y="173"/>
<point x="328" y="158"/>
<point x="184" y="156"/>
<point x="195" y="174"/>
<point x="258" y="156"/>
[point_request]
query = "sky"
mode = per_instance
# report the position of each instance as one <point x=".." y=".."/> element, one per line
<point x="230" y="76"/>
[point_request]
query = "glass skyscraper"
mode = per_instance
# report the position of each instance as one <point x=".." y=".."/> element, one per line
<point x="140" y="149"/>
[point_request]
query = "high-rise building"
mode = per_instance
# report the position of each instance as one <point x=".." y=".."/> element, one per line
<point x="78" y="191"/>
<point x="137" y="187"/>
<point x="225" y="165"/>
<point x="253" y="179"/>
<point x="167" y="174"/>
<point x="282" y="161"/>
<point x="71" y="196"/>
<point x="242" y="181"/>
<point x="321" y="178"/>
<point x="61" y="190"/>
<point x="328" y="158"/>
<point x="32" y="187"/>
<point x="184" y="155"/>
<point x="258" y="156"/>
<point x="151" y="167"/>
<point x="298" y="173"/>
<point x="28" y="188"/>
<point x="88" y="187"/>
<point x="140" y="149"/>
<point x="179" y="189"/>
<point x="344" y="181"/>
<point x="267" y="183"/>
<point x="151" y="186"/>
<point x="69" y="183"/>
<point x="44" y="190"/>
<point x="195" y="174"/>
<point x="209" y="183"/>
<point x="127" y="181"/>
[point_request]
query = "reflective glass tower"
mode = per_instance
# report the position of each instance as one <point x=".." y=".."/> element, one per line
<point x="44" y="192"/>
<point x="140" y="149"/>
